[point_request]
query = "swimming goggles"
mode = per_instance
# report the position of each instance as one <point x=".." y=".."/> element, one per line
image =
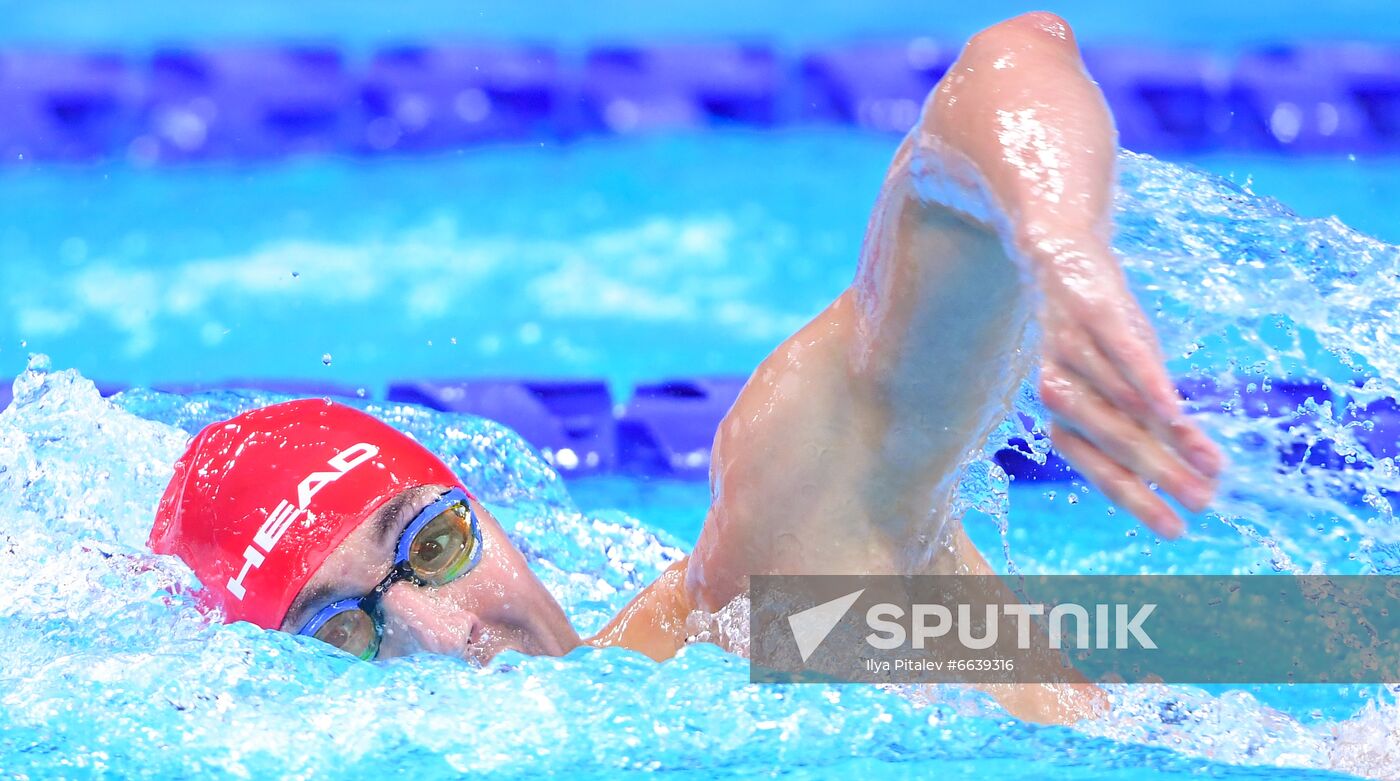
<point x="442" y="543"/>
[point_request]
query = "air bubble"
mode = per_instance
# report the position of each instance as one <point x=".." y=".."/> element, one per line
<point x="326" y="359"/>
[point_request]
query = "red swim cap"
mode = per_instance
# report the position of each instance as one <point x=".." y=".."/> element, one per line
<point x="259" y="501"/>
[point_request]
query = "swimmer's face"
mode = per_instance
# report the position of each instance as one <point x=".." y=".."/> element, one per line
<point x="498" y="605"/>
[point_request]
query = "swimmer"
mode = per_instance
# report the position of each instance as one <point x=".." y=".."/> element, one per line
<point x="840" y="455"/>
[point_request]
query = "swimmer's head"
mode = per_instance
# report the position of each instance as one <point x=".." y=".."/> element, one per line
<point x="282" y="510"/>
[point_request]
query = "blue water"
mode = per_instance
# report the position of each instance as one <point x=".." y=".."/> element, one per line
<point x="665" y="257"/>
<point x="626" y="260"/>
<point x="534" y="261"/>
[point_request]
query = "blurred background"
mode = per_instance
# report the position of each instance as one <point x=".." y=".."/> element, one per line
<point x="386" y="201"/>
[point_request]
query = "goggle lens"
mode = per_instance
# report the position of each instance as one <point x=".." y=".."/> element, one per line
<point x="352" y="631"/>
<point x="444" y="548"/>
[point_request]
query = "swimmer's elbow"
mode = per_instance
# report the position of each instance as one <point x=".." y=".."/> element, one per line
<point x="1031" y="58"/>
<point x="1038" y="28"/>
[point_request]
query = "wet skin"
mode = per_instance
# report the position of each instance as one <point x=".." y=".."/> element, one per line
<point x="841" y="454"/>
<point x="498" y="605"/>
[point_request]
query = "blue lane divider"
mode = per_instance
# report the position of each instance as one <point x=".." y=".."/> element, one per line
<point x="58" y="106"/>
<point x="570" y="421"/>
<point x="255" y="102"/>
<point x="633" y="88"/>
<point x="1298" y="97"/>
<point x="421" y="98"/>
<point x="877" y="86"/>
<point x="666" y="428"/>
<point x="245" y="103"/>
<point x="1018" y="464"/>
<point x="1277" y="398"/>
<point x="1169" y="101"/>
<point x="1258" y="399"/>
<point x="1382" y="436"/>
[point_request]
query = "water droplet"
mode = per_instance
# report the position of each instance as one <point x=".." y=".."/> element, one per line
<point x="1072" y="499"/>
<point x="296" y="274"/>
<point x="360" y="392"/>
<point x="326" y="359"/>
<point x="454" y="340"/>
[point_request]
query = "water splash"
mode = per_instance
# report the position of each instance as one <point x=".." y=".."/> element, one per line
<point x="1246" y="296"/>
<point x="107" y="667"/>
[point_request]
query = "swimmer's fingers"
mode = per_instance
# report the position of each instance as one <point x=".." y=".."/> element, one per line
<point x="1127" y="339"/>
<point x="1078" y="406"/>
<point x="1122" y="487"/>
<point x="1078" y="352"/>
<point x="1129" y="344"/>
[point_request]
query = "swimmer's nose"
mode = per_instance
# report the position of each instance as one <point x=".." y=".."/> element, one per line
<point x="418" y="619"/>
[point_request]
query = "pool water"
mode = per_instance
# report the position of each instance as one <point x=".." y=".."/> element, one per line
<point x="520" y="261"/>
<point x="664" y="256"/>
<point x="629" y="260"/>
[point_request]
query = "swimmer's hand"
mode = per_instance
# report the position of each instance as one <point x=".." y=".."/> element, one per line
<point x="1018" y="123"/>
<point x="1117" y="416"/>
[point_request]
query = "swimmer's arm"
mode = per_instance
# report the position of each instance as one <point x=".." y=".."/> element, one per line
<point x="654" y="622"/>
<point x="997" y="209"/>
<point x="1044" y="703"/>
<point x="841" y="454"/>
